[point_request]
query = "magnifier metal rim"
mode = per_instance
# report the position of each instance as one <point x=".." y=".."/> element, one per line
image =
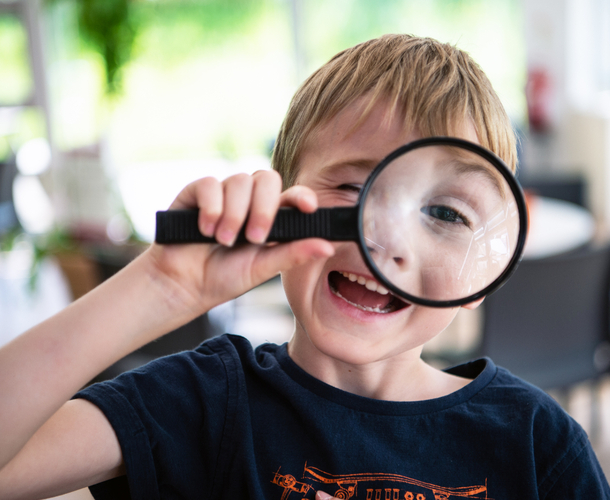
<point x="508" y="177"/>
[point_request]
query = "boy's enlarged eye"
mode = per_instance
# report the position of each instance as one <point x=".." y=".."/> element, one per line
<point x="446" y="214"/>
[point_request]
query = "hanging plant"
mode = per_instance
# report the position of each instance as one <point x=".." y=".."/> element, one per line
<point x="110" y="27"/>
<point x="107" y="25"/>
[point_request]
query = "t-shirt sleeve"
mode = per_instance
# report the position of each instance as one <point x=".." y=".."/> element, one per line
<point x="564" y="463"/>
<point x="169" y="418"/>
<point x="567" y="467"/>
<point x="577" y="475"/>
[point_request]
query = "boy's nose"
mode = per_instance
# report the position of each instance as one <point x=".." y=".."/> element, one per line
<point x="398" y="264"/>
<point x="392" y="254"/>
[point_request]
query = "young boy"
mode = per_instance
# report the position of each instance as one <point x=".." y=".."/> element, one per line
<point x="346" y="407"/>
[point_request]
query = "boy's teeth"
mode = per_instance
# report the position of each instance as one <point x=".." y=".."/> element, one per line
<point x="369" y="284"/>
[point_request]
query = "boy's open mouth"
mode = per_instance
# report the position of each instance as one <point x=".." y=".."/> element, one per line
<point x="363" y="293"/>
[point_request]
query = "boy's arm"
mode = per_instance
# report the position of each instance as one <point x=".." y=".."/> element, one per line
<point x="75" y="448"/>
<point x="44" y="367"/>
<point x="163" y="288"/>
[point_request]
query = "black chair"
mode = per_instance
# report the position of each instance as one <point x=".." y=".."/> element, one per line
<point x="572" y="188"/>
<point x="549" y="324"/>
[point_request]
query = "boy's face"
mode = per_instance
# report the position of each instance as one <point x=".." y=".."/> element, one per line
<point x="338" y="319"/>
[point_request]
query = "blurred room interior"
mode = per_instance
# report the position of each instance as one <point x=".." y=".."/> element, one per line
<point x="109" y="107"/>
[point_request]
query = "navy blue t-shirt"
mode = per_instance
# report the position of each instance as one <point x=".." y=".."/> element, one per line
<point x="224" y="421"/>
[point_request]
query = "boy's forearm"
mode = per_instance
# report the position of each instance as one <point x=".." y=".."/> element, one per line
<point x="44" y="367"/>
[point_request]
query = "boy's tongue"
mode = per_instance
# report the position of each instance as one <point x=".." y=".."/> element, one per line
<point x="358" y="294"/>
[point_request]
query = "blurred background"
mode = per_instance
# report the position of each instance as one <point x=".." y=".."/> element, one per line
<point x="109" y="107"/>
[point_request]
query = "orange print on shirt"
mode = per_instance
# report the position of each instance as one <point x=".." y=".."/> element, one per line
<point x="373" y="486"/>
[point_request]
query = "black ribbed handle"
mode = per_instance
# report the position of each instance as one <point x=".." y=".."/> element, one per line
<point x="334" y="224"/>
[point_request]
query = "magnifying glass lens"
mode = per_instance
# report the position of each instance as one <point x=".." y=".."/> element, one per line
<point x="440" y="223"/>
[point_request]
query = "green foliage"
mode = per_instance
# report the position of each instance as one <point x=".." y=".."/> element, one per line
<point x="55" y="242"/>
<point x="15" y="73"/>
<point x="45" y="245"/>
<point x="107" y="25"/>
<point x="172" y="27"/>
<point x="7" y="239"/>
<point x="170" y="30"/>
<point x="213" y="16"/>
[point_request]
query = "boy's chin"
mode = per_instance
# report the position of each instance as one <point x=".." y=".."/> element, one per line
<point x="370" y="337"/>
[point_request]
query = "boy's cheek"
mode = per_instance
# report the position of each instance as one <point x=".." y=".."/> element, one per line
<point x="474" y="305"/>
<point x="299" y="280"/>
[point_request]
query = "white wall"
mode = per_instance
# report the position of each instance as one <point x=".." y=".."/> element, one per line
<point x="570" y="40"/>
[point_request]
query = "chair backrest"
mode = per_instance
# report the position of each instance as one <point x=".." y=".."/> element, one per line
<point x="572" y="188"/>
<point x="548" y="323"/>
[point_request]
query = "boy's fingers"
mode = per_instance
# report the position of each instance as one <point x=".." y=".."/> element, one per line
<point x="301" y="197"/>
<point x="264" y="204"/>
<point x="224" y="207"/>
<point x="209" y="200"/>
<point x="276" y="258"/>
<point x="187" y="198"/>
<point x="236" y="203"/>
<point x="206" y="194"/>
<point x="320" y="495"/>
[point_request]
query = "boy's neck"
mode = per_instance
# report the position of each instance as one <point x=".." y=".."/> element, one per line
<point x="403" y="378"/>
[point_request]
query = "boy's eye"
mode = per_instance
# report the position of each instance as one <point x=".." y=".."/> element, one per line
<point x="446" y="214"/>
<point x="356" y="188"/>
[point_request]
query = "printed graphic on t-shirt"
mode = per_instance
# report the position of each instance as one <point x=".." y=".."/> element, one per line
<point x="374" y="486"/>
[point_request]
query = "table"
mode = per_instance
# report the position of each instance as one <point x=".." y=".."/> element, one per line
<point x="556" y="226"/>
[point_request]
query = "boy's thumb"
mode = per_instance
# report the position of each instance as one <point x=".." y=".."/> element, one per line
<point x="320" y="495"/>
<point x="281" y="257"/>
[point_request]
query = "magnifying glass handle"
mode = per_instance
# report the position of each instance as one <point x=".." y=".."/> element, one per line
<point x="333" y="224"/>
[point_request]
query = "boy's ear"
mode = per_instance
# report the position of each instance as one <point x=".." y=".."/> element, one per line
<point x="474" y="305"/>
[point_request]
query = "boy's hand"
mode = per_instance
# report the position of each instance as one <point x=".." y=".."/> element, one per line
<point x="206" y="275"/>
<point x="320" y="495"/>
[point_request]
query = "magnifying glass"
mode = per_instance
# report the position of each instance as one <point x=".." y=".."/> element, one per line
<point x="440" y="222"/>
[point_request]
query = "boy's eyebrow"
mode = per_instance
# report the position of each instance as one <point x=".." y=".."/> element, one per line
<point x="491" y="173"/>
<point x="360" y="164"/>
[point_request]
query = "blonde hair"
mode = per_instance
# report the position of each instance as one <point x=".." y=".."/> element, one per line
<point x="435" y="86"/>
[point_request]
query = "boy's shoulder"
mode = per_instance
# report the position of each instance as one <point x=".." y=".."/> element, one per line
<point x="499" y="386"/>
<point x="509" y="399"/>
